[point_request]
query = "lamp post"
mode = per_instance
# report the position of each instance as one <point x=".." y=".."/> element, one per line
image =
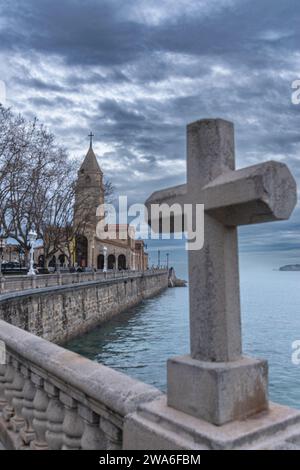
<point x="105" y="259"/>
<point x="167" y="255"/>
<point x="32" y="238"/>
<point x="2" y="247"/>
<point x="93" y="255"/>
<point x="158" y="258"/>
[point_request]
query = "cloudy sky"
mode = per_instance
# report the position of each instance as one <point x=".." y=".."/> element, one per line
<point x="136" y="72"/>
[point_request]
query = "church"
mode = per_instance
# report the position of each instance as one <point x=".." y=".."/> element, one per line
<point x="122" y="252"/>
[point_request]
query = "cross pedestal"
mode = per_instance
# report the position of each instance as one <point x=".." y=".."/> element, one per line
<point x="215" y="383"/>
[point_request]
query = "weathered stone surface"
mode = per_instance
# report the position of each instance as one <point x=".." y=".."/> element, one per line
<point x="116" y="390"/>
<point x="218" y="392"/>
<point x="267" y="191"/>
<point x="157" y="426"/>
<point x="73" y="401"/>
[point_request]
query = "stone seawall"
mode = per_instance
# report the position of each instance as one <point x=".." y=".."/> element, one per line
<point x="62" y="312"/>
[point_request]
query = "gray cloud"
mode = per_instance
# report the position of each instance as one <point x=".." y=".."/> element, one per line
<point x="137" y="73"/>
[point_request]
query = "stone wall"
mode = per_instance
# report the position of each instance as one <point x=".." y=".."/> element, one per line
<point x="60" y="313"/>
<point x="20" y="283"/>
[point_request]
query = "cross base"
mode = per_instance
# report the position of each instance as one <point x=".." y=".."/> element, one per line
<point x="157" y="426"/>
<point x="218" y="392"/>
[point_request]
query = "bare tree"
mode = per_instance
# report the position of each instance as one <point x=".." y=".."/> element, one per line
<point x="37" y="187"/>
<point x="11" y="144"/>
<point x="32" y="166"/>
<point x="109" y="191"/>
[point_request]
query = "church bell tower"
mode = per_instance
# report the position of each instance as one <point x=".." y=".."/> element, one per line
<point x="89" y="191"/>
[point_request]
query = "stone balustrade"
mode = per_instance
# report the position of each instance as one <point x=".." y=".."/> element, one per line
<point x="20" y="283"/>
<point x="51" y="398"/>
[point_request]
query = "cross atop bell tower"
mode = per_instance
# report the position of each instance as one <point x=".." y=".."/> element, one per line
<point x="91" y="135"/>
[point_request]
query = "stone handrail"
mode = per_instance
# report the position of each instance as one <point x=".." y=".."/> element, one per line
<point x="51" y="398"/>
<point x="20" y="283"/>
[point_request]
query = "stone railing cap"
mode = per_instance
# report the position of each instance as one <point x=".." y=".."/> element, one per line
<point x="115" y="390"/>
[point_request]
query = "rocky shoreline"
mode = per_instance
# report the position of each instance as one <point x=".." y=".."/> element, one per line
<point x="174" y="281"/>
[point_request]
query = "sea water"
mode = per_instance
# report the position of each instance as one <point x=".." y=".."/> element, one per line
<point x="139" y="342"/>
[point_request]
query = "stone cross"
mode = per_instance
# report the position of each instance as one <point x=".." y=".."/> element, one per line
<point x="215" y="382"/>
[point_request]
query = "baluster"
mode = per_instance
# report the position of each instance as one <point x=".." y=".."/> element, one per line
<point x="3" y="401"/>
<point x="113" y="434"/>
<point x="55" y="416"/>
<point x="93" y="437"/>
<point x="27" y="434"/>
<point x="17" y="421"/>
<point x="72" y="425"/>
<point x="8" y="410"/>
<point x="39" y="423"/>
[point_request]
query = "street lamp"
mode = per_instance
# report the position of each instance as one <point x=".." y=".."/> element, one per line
<point x="93" y="255"/>
<point x="105" y="259"/>
<point x="32" y="236"/>
<point x="2" y="247"/>
<point x="167" y="255"/>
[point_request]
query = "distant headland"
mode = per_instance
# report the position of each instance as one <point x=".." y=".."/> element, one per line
<point x="290" y="267"/>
